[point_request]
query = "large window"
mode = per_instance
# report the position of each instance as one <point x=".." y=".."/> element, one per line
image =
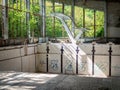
<point x="91" y="19"/>
<point x="53" y="26"/>
<point x="23" y="18"/>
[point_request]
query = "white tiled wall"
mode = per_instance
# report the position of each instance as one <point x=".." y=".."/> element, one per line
<point x="41" y="62"/>
<point x="16" y="59"/>
<point x="101" y="65"/>
<point x="9" y="54"/>
<point x="115" y="66"/>
<point x="11" y="65"/>
<point x="35" y="59"/>
<point x="28" y="63"/>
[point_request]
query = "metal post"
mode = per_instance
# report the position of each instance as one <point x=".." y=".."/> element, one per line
<point x="93" y="56"/>
<point x="62" y="58"/>
<point x="47" y="49"/>
<point x="110" y="54"/>
<point x="77" y="51"/>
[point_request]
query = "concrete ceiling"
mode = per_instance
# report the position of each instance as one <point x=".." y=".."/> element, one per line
<point x="92" y="4"/>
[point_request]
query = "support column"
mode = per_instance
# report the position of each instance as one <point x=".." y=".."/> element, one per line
<point x="5" y="19"/>
<point x="106" y="20"/>
<point x="43" y="13"/>
<point x="113" y="20"/>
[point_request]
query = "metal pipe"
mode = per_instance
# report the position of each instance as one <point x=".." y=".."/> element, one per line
<point x="110" y="54"/>
<point x="62" y="50"/>
<point x="47" y="49"/>
<point x="77" y="51"/>
<point x="93" y="56"/>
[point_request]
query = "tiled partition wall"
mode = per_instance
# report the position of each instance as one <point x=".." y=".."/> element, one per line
<point x="18" y="58"/>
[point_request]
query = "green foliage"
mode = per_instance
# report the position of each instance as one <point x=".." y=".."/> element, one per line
<point x="100" y="32"/>
<point x="18" y="27"/>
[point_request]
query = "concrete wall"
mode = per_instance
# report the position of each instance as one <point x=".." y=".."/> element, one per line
<point x="18" y="58"/>
<point x="101" y="65"/>
<point x="113" y="19"/>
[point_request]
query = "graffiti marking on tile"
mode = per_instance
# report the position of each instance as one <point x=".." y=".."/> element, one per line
<point x="68" y="66"/>
<point x="54" y="64"/>
<point x="83" y="66"/>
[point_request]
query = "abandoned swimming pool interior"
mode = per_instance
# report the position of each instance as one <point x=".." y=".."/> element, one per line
<point x="59" y="45"/>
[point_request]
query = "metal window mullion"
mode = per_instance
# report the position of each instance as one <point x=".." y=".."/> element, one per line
<point x="73" y="16"/>
<point x="20" y="19"/>
<point x="63" y="31"/>
<point x="13" y="30"/>
<point x="17" y="19"/>
<point x="9" y="22"/>
<point x="94" y="24"/>
<point x="84" y="21"/>
<point x="53" y="7"/>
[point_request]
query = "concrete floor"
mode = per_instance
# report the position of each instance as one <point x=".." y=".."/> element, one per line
<point x="39" y="81"/>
